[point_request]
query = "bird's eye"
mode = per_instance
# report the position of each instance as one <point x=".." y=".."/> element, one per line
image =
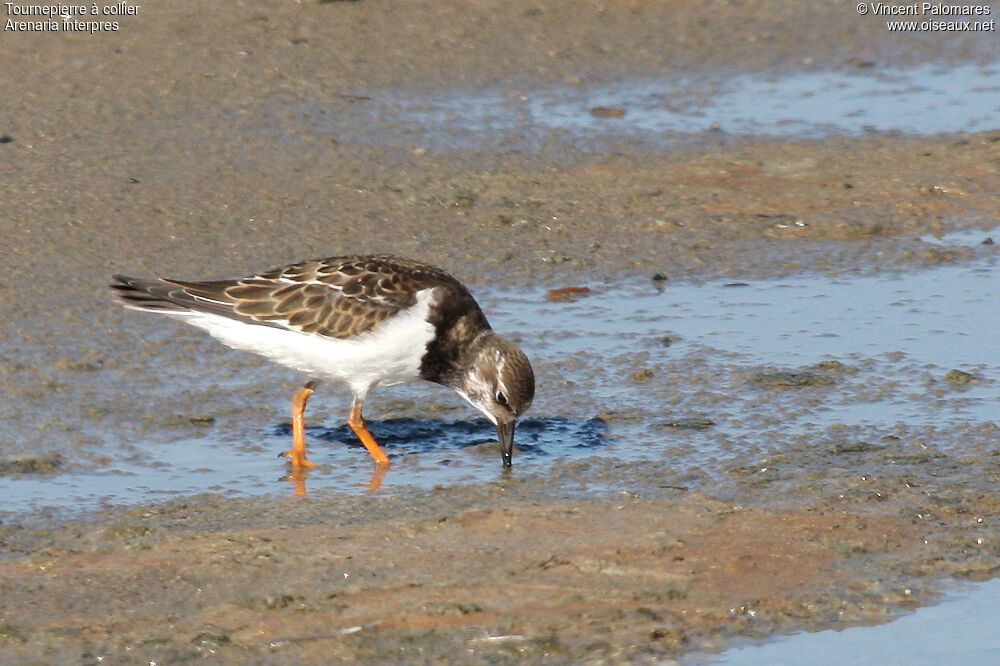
<point x="501" y="398"/>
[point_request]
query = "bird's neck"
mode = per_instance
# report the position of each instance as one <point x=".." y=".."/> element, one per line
<point x="449" y="358"/>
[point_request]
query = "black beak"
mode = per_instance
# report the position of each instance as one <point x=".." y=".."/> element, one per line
<point x="505" y="433"/>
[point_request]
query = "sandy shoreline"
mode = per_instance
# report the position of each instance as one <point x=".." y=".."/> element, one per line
<point x="178" y="146"/>
<point x="496" y="571"/>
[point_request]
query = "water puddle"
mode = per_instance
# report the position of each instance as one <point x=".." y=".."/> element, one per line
<point x="961" y="630"/>
<point x="672" y="109"/>
<point x="697" y="375"/>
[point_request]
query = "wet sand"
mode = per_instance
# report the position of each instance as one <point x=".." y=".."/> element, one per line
<point x="505" y="571"/>
<point x="179" y="146"/>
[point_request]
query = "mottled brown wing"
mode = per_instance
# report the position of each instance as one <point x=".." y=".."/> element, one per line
<point x="371" y="278"/>
<point x="340" y="297"/>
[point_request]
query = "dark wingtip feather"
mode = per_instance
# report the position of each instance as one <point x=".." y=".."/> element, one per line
<point x="142" y="294"/>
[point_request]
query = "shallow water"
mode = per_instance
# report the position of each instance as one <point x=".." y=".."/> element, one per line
<point x="960" y="630"/>
<point x="671" y="109"/>
<point x="643" y="371"/>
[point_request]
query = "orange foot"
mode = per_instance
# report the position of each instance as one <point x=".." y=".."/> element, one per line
<point x="297" y="459"/>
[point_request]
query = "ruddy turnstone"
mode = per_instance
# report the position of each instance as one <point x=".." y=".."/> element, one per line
<point x="358" y="320"/>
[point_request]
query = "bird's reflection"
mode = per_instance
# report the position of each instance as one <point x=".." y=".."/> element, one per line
<point x="297" y="477"/>
<point x="405" y="436"/>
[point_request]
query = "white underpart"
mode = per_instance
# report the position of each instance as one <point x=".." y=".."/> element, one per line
<point x="388" y="355"/>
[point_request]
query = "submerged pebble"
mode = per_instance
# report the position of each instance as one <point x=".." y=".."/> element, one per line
<point x="43" y="464"/>
<point x="790" y="379"/>
<point x="688" y="424"/>
<point x="641" y="376"/>
<point x="607" y="112"/>
<point x="959" y="377"/>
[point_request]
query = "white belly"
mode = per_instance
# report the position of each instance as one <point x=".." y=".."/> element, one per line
<point x="390" y="354"/>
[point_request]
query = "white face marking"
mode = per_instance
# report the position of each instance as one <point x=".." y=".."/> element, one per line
<point x="481" y="388"/>
<point x="501" y="362"/>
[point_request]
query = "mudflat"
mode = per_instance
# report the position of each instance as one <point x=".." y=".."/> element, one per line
<point x="194" y="142"/>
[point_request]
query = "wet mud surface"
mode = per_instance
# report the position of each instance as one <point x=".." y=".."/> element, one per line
<point x="721" y="490"/>
<point x="503" y="571"/>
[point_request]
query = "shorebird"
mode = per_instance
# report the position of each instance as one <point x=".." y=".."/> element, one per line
<point x="362" y="321"/>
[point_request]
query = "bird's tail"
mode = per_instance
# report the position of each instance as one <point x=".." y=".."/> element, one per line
<point x="146" y="295"/>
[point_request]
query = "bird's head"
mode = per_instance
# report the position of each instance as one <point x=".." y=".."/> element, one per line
<point x="497" y="379"/>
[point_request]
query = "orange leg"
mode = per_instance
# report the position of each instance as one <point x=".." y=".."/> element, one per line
<point x="297" y="453"/>
<point x="357" y="423"/>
